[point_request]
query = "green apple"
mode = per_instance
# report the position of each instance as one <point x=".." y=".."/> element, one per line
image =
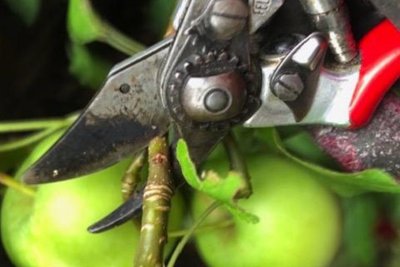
<point x="49" y="229"/>
<point x="300" y="220"/>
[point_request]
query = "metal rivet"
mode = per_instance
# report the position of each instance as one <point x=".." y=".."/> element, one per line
<point x="124" y="88"/>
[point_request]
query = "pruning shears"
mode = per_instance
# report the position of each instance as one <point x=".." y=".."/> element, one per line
<point x="215" y="73"/>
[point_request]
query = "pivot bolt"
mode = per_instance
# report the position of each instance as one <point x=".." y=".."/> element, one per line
<point x="216" y="100"/>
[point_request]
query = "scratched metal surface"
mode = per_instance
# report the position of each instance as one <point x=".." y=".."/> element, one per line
<point x="115" y="124"/>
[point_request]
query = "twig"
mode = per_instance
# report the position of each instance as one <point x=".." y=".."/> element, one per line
<point x="190" y="232"/>
<point x="28" y="140"/>
<point x="32" y="125"/>
<point x="205" y="228"/>
<point x="119" y="41"/>
<point x="41" y="128"/>
<point x="14" y="184"/>
<point x="132" y="175"/>
<point x="237" y="162"/>
<point x="156" y="205"/>
<point x="24" y="126"/>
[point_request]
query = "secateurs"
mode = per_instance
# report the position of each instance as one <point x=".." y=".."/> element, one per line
<point x="215" y="73"/>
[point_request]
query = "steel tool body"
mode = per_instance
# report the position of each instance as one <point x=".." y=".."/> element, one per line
<point x="214" y="74"/>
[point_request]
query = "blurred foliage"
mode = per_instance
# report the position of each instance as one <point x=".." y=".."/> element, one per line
<point x="89" y="69"/>
<point x="84" y="25"/>
<point x="28" y="10"/>
<point x="360" y="219"/>
<point x="159" y="15"/>
<point x="302" y="145"/>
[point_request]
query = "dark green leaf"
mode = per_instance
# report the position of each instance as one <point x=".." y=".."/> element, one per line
<point x="159" y="15"/>
<point x="359" y="237"/>
<point x="85" y="26"/>
<point x="302" y="145"/>
<point x="346" y="184"/>
<point x="396" y="90"/>
<point x="88" y="68"/>
<point x="28" y="10"/>
<point x="12" y="159"/>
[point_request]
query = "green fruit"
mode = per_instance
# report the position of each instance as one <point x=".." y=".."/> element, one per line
<point x="49" y="229"/>
<point x="300" y="221"/>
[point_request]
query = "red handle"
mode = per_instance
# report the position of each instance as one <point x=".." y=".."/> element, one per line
<point x="380" y="68"/>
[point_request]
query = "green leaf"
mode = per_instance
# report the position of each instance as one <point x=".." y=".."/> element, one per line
<point x="302" y="145"/>
<point x="360" y="247"/>
<point x="85" y="26"/>
<point x="223" y="189"/>
<point x="346" y="184"/>
<point x="28" y="10"/>
<point x="360" y="218"/>
<point x="241" y="213"/>
<point x="87" y="67"/>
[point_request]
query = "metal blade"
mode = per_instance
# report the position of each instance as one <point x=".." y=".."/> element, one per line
<point x="128" y="210"/>
<point x="124" y="116"/>
<point x="200" y="143"/>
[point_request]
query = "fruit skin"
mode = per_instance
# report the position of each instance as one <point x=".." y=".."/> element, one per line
<point x="49" y="230"/>
<point x="300" y="221"/>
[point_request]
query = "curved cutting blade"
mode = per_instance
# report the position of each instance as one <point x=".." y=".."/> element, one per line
<point x="125" y="212"/>
<point x="123" y="117"/>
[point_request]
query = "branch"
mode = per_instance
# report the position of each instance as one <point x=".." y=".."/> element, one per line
<point x="190" y="232"/>
<point x="132" y="176"/>
<point x="156" y="205"/>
